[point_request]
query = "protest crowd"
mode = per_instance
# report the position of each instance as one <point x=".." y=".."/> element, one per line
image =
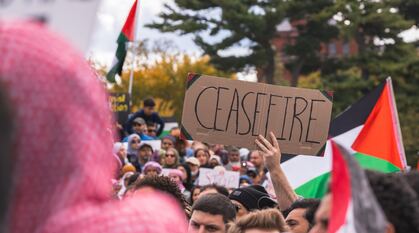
<point x="59" y="172"/>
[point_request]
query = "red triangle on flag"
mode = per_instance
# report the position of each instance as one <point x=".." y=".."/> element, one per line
<point x="378" y="135"/>
<point x="128" y="30"/>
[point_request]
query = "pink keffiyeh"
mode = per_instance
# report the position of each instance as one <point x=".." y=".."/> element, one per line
<point x="63" y="145"/>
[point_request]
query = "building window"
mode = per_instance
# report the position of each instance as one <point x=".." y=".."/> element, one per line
<point x="332" y="49"/>
<point x="345" y="48"/>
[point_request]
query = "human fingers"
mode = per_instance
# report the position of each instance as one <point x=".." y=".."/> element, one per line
<point x="265" y="142"/>
<point x="273" y="139"/>
<point x="261" y="146"/>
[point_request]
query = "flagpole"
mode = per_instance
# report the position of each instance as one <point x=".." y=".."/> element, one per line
<point x="396" y="124"/>
<point x="134" y="46"/>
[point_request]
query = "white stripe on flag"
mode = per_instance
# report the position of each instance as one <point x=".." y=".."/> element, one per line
<point x="349" y="226"/>
<point x="301" y="169"/>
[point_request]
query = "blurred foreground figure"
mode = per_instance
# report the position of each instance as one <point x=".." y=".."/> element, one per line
<point x="61" y="145"/>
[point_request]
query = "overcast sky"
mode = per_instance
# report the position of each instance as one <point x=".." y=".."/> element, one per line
<point x="110" y="19"/>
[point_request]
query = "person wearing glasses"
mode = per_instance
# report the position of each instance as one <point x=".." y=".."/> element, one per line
<point x="171" y="158"/>
<point x="151" y="130"/>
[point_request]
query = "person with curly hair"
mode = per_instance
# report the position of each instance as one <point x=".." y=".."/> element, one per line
<point x="165" y="185"/>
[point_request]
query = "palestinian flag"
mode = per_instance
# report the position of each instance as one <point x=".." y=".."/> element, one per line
<point x="354" y="206"/>
<point x="126" y="35"/>
<point x="369" y="129"/>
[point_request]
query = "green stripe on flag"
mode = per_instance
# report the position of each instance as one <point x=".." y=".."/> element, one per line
<point x="119" y="59"/>
<point x="317" y="187"/>
<point x="374" y="163"/>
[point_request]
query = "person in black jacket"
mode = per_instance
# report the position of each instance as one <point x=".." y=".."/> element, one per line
<point x="148" y="114"/>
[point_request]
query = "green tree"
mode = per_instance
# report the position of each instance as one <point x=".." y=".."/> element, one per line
<point x="382" y="53"/>
<point x="314" y="29"/>
<point x="165" y="81"/>
<point x="243" y="24"/>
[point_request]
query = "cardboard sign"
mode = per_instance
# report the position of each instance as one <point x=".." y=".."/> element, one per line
<point x="227" y="179"/>
<point x="72" y="18"/>
<point x="218" y="110"/>
<point x="120" y="106"/>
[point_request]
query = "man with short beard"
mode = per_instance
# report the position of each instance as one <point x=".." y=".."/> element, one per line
<point x="299" y="217"/>
<point x="233" y="160"/>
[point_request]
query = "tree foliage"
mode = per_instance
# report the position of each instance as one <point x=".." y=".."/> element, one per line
<point x="246" y="25"/>
<point x="375" y="26"/>
<point x="165" y="81"/>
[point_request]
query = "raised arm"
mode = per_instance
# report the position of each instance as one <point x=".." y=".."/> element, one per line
<point x="272" y="157"/>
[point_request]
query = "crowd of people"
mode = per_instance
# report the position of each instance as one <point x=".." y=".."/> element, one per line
<point x="58" y="173"/>
<point x="263" y="200"/>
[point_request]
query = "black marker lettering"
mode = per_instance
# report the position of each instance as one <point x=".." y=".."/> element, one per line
<point x="310" y="119"/>
<point x="256" y="113"/>
<point x="196" y="106"/>
<point x="245" y="113"/>
<point x="269" y="111"/>
<point x="217" y="108"/>
<point x="285" y="118"/>
<point x="295" y="116"/>
<point x="235" y="101"/>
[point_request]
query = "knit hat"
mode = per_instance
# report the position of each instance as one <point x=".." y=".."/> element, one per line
<point x="128" y="168"/>
<point x="216" y="157"/>
<point x="253" y="197"/>
<point x="246" y="178"/>
<point x="153" y="164"/>
<point x="170" y="137"/>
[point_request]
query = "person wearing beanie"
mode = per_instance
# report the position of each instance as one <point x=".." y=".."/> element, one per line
<point x="214" y="161"/>
<point x="128" y="168"/>
<point x="152" y="168"/>
<point x="245" y="181"/>
<point x="251" y="198"/>
<point x="177" y="176"/>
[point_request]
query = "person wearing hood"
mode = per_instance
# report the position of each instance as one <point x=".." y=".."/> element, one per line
<point x="133" y="148"/>
<point x="253" y="197"/>
<point x="61" y="160"/>
<point x="120" y="153"/>
<point x="214" y="161"/>
<point x="178" y="177"/>
<point x="186" y="170"/>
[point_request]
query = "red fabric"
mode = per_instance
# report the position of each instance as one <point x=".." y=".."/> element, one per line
<point x="378" y="136"/>
<point x="341" y="190"/>
<point x="128" y="30"/>
<point x="63" y="144"/>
